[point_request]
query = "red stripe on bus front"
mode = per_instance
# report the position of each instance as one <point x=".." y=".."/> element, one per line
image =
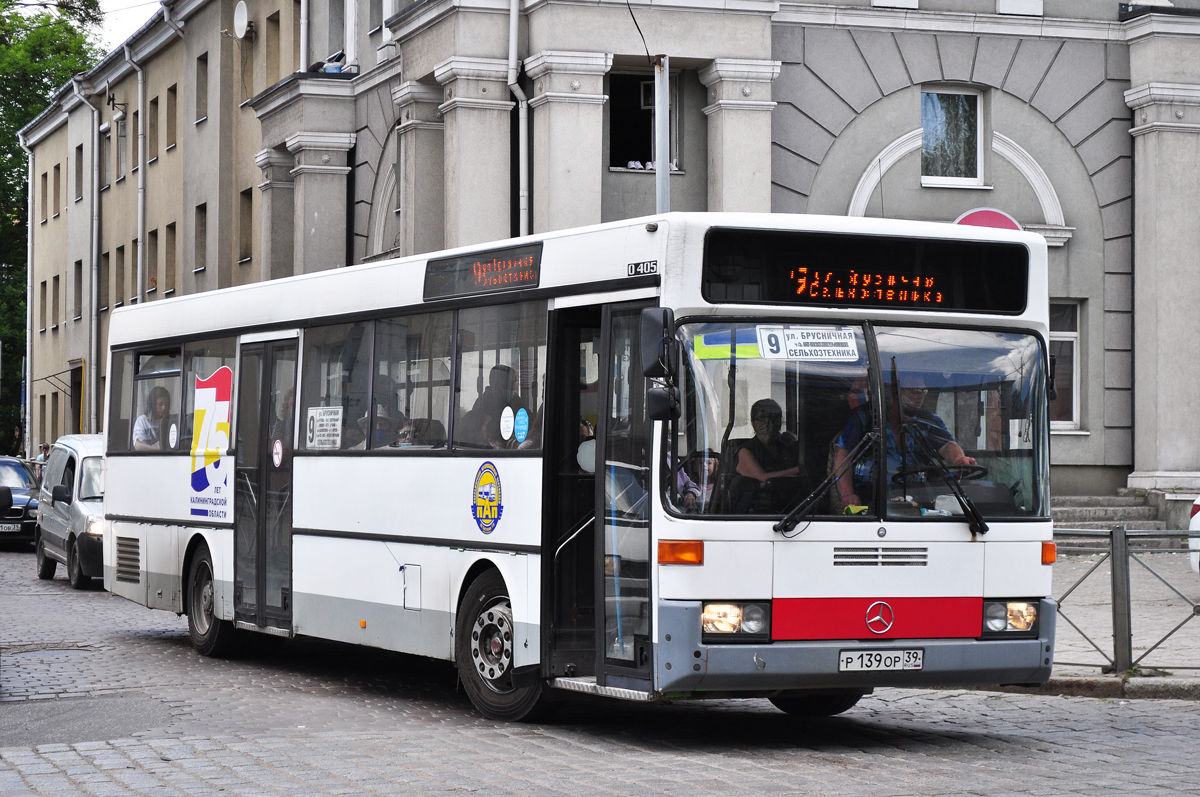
<point x="846" y="618"/>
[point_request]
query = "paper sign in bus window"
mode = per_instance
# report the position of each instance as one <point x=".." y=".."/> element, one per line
<point x="323" y="430"/>
<point x="832" y="344"/>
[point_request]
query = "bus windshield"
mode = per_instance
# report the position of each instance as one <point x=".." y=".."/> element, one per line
<point x="770" y="409"/>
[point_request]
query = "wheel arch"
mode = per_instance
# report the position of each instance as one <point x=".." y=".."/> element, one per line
<point x="189" y="553"/>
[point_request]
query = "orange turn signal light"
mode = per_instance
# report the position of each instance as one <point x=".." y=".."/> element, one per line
<point x="681" y="552"/>
<point x="1049" y="553"/>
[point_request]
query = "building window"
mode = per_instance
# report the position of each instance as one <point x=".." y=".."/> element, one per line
<point x="152" y="131"/>
<point x="135" y="157"/>
<point x="54" y="414"/>
<point x="42" y="419"/>
<point x="42" y="308"/>
<point x="151" y="262"/>
<point x="119" y="275"/>
<point x="201" y="245"/>
<point x="77" y="291"/>
<point x="272" y="55"/>
<point x="246" y="225"/>
<point x="631" y="121"/>
<point x="169" y="260"/>
<point x="134" y="288"/>
<point x="202" y="87"/>
<point x="172" y="106"/>
<point x="1064" y="355"/>
<point x="105" y="159"/>
<point x="45" y="196"/>
<point x="54" y="305"/>
<point x="105" y="274"/>
<point x="57" y="190"/>
<point x="951" y="139"/>
<point x="122" y="140"/>
<point x="79" y="172"/>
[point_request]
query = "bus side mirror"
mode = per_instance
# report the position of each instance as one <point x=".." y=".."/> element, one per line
<point x="662" y="403"/>
<point x="60" y="492"/>
<point x="5" y="499"/>
<point x="660" y="350"/>
<point x="1051" y="390"/>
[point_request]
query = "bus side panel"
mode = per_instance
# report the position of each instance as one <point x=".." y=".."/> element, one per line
<point x="159" y="487"/>
<point x="163" y="578"/>
<point x="422" y="497"/>
<point x="521" y="575"/>
<point x="220" y="548"/>
<point x="124" y="560"/>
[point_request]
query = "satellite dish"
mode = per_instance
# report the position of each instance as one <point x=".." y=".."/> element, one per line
<point x="241" y="19"/>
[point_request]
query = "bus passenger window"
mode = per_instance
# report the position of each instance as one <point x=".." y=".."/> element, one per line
<point x="201" y="359"/>
<point x="412" y="379"/>
<point x="156" y="401"/>
<point x="120" y="382"/>
<point x="501" y="376"/>
<point x="333" y="396"/>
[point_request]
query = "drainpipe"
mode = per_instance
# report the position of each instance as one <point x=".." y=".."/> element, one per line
<point x="94" y="321"/>
<point x="514" y="14"/>
<point x="303" y="65"/>
<point x="141" y="206"/>
<point x="28" y="303"/>
<point x="172" y="24"/>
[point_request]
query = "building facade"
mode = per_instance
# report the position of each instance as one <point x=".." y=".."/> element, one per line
<point x="242" y="158"/>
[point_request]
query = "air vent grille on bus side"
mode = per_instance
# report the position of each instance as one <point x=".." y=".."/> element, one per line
<point x="129" y="559"/>
<point x="880" y="557"/>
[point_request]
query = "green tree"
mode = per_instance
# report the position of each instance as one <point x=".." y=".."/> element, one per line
<point x="42" y="46"/>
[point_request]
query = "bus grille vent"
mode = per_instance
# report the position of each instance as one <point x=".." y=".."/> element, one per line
<point x="129" y="559"/>
<point x="880" y="557"/>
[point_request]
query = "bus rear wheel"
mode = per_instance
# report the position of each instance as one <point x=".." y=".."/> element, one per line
<point x="484" y="644"/>
<point x="210" y="636"/>
<point x="825" y="705"/>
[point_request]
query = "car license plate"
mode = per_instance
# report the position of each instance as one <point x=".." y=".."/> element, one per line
<point x="10" y="526"/>
<point x="859" y="660"/>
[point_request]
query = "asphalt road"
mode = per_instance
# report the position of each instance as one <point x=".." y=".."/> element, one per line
<point x="100" y="696"/>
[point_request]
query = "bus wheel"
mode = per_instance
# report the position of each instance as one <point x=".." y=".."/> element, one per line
<point x="210" y="636"/>
<point x="816" y="705"/>
<point x="45" y="565"/>
<point x="484" y="649"/>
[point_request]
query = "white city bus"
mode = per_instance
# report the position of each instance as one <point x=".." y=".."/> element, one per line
<point x="684" y="456"/>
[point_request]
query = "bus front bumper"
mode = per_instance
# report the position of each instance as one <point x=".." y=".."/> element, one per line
<point x="684" y="665"/>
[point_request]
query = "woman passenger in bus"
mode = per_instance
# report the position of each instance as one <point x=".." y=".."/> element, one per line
<point x="768" y="455"/>
<point x="147" y="429"/>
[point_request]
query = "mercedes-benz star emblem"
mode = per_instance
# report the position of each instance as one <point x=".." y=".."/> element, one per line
<point x="880" y="617"/>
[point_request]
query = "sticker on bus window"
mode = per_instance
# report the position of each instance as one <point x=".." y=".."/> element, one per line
<point x="324" y="428"/>
<point x="211" y="466"/>
<point x="835" y="344"/>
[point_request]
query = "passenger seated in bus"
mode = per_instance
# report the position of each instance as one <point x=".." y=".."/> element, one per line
<point x="285" y="422"/>
<point x="482" y="423"/>
<point x="148" y="429"/>
<point x="696" y="480"/>
<point x="384" y="432"/>
<point x="912" y="396"/>
<point x="768" y="455"/>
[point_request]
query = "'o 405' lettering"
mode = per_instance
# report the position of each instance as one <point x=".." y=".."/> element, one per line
<point x="646" y="267"/>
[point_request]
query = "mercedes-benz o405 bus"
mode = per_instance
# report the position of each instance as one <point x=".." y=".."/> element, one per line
<point x="683" y="456"/>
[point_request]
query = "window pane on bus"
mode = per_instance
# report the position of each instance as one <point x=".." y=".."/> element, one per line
<point x="120" y="402"/>
<point x="156" y="363"/>
<point x="769" y="409"/>
<point x="501" y="376"/>
<point x="412" y="381"/>
<point x="337" y="368"/>
<point x="157" y="425"/>
<point x="201" y="359"/>
<point x="969" y="401"/>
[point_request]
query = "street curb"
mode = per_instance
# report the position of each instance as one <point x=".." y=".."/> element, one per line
<point x="1156" y="688"/>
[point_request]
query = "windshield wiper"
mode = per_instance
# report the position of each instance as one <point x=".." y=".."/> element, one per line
<point x="809" y="502"/>
<point x="975" y="520"/>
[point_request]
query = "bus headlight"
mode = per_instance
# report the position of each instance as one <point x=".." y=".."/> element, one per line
<point x="744" y="622"/>
<point x="1009" y="617"/>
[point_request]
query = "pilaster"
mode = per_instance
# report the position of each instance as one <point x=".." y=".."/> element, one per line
<point x="278" y="209"/>
<point x="475" y="111"/>
<point x="320" y="176"/>
<point x="739" y="133"/>
<point x="419" y="167"/>
<point x="568" y="137"/>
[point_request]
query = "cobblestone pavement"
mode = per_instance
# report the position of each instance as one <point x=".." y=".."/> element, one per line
<point x="314" y="717"/>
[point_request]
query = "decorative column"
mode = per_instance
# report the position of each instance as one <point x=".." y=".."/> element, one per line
<point x="278" y="207"/>
<point x="1166" y="292"/>
<point x="420" y="154"/>
<point x="739" y="133"/>
<point x="475" y="111"/>
<point x="568" y="137"/>
<point x="319" y="220"/>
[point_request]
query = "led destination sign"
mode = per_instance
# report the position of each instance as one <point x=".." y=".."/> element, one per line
<point x="843" y="270"/>
<point x="484" y="272"/>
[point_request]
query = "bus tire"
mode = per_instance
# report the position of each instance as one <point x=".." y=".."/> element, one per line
<point x="210" y="636"/>
<point x="45" y="565"/>
<point x="484" y="645"/>
<point x="816" y="705"/>
<point x="75" y="568"/>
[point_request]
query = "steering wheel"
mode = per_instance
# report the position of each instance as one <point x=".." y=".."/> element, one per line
<point x="958" y="471"/>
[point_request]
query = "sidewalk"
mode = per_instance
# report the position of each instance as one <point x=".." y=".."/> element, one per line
<point x="1169" y="671"/>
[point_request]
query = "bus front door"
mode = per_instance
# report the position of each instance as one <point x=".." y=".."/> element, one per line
<point x="263" y="525"/>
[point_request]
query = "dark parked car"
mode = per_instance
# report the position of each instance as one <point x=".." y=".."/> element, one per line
<point x="71" y="515"/>
<point x="18" y="522"/>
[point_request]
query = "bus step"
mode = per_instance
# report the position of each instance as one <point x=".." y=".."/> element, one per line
<point x="587" y="684"/>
